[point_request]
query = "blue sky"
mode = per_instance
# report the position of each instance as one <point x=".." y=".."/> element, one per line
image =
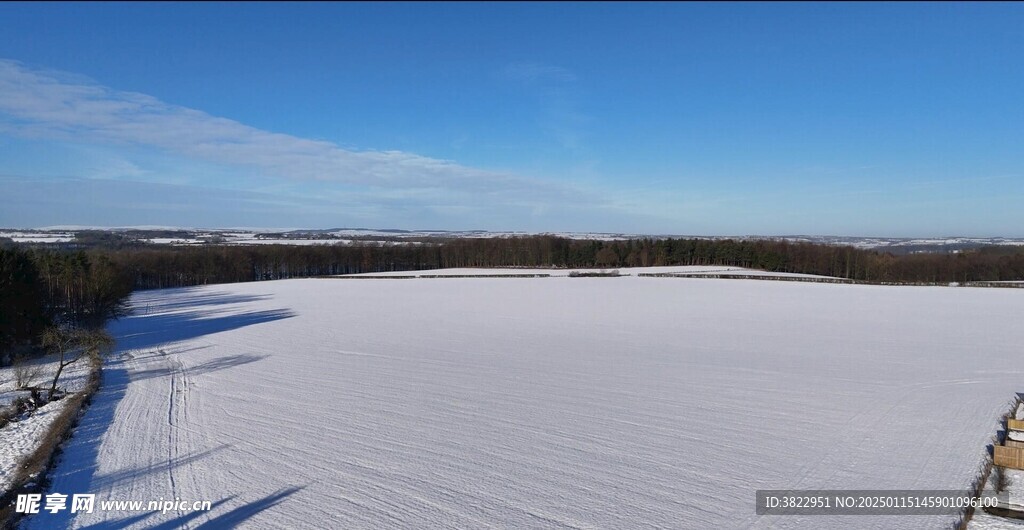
<point x="724" y="118"/>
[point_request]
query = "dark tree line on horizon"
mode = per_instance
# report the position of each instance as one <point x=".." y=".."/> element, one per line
<point x="42" y="286"/>
<point x="160" y="267"/>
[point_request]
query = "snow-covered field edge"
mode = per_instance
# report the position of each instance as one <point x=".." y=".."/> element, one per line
<point x="796" y="277"/>
<point x="678" y="271"/>
<point x="976" y="489"/>
<point x="31" y="473"/>
<point x="989" y="483"/>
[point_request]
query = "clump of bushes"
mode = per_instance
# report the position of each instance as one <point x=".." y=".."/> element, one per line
<point x="595" y="274"/>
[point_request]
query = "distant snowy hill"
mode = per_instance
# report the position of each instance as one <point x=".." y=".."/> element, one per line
<point x="163" y="235"/>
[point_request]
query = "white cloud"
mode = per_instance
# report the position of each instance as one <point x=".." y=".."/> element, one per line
<point x="134" y="159"/>
<point x="53" y="105"/>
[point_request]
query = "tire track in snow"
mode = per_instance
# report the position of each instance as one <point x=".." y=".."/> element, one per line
<point x="437" y="413"/>
<point x="173" y="367"/>
<point x="179" y="435"/>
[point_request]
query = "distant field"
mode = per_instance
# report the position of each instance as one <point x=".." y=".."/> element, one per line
<point x="548" y="402"/>
<point x="555" y="271"/>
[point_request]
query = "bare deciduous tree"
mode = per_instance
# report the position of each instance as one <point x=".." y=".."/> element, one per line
<point x="72" y="344"/>
<point x="24" y="373"/>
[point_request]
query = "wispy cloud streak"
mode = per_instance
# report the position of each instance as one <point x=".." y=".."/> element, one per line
<point x="45" y="104"/>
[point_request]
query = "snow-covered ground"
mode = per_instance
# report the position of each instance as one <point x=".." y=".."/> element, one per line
<point x="549" y="402"/>
<point x="725" y="271"/>
<point x="19" y="438"/>
<point x="288" y="241"/>
<point x="553" y="272"/>
<point x="38" y="237"/>
<point x="299" y="236"/>
<point x="1014" y="494"/>
<point x="1014" y="491"/>
<point x="986" y="521"/>
<point x="173" y="241"/>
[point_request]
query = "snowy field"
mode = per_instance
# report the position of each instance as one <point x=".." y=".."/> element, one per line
<point x="549" y="271"/>
<point x="549" y="402"/>
<point x="37" y="237"/>
<point x="554" y="272"/>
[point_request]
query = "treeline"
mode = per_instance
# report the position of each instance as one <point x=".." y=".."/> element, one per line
<point x="44" y="288"/>
<point x="153" y="267"/>
<point x="39" y="286"/>
<point x="985" y="264"/>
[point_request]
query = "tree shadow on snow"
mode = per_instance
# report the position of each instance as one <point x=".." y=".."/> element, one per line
<point x="79" y="460"/>
<point x="230" y="519"/>
<point x="163" y="351"/>
<point x="246" y="511"/>
<point x="212" y="365"/>
<point x="76" y="471"/>
<point x="110" y="480"/>
<point x="179" y="522"/>
<point x="145" y="303"/>
<point x="139" y="333"/>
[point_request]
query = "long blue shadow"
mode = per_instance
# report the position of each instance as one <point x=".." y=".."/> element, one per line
<point x="141" y="332"/>
<point x="178" y="522"/>
<point x="212" y="365"/>
<point x="149" y="302"/>
<point x="230" y="519"/>
<point x="78" y="462"/>
<point x="76" y="471"/>
<point x="111" y="480"/>
<point x="242" y="513"/>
